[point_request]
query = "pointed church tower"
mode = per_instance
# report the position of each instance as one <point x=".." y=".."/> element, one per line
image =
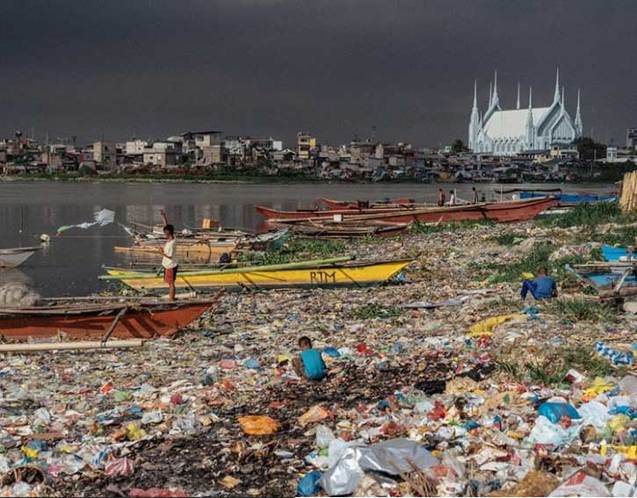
<point x="556" y="94"/>
<point x="495" y="101"/>
<point x="530" y="126"/>
<point x="579" y="127"/>
<point x="517" y="105"/>
<point x="474" y="120"/>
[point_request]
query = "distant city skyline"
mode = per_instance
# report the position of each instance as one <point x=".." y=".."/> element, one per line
<point x="401" y="70"/>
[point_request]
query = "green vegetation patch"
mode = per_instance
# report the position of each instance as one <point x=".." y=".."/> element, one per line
<point x="370" y="311"/>
<point x="579" y="309"/>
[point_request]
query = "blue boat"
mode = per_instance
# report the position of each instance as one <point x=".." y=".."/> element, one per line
<point x="571" y="199"/>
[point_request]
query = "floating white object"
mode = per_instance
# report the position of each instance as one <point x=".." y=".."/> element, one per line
<point x="101" y="218"/>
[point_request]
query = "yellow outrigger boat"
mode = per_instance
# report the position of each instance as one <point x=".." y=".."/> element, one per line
<point x="321" y="273"/>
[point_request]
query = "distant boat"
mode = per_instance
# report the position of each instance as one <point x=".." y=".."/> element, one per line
<point x="571" y="199"/>
<point x="500" y="212"/>
<point x="331" y="230"/>
<point x="12" y="258"/>
<point x="319" y="273"/>
<point x="334" y="204"/>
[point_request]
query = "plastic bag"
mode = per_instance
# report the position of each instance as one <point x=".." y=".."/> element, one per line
<point x="314" y="414"/>
<point x="324" y="436"/>
<point x="396" y="456"/>
<point x="309" y="485"/>
<point x="581" y="484"/>
<point x="258" y="425"/>
<point x="342" y="479"/>
<point x="546" y="432"/>
<point x="555" y="411"/>
<point x="594" y="413"/>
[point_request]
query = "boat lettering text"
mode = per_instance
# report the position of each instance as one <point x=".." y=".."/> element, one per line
<point x="322" y="277"/>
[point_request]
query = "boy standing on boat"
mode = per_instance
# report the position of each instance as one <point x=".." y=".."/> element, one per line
<point x="169" y="259"/>
<point x="441" y="197"/>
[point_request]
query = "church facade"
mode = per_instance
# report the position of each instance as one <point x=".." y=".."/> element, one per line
<point x="506" y="132"/>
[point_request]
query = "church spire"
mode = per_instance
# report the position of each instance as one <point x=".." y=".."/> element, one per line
<point x="530" y="125"/>
<point x="563" y="99"/>
<point x="556" y="95"/>
<point x="495" y="101"/>
<point x="579" y="127"/>
<point x="474" y="120"/>
<point x="518" y="102"/>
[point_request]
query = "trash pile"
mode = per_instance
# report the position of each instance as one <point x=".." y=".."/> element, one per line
<point x="442" y="386"/>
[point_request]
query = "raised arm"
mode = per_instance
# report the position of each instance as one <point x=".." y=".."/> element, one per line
<point x="164" y="218"/>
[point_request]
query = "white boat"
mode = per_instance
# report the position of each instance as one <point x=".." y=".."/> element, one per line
<point x="14" y="257"/>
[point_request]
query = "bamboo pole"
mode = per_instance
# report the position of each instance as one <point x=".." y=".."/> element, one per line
<point x="287" y="266"/>
<point x="69" y="346"/>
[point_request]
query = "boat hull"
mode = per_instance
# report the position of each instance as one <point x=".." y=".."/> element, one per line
<point x="12" y="258"/>
<point x="141" y="322"/>
<point x="500" y="212"/>
<point x="269" y="213"/>
<point x="327" y="276"/>
<point x="202" y="251"/>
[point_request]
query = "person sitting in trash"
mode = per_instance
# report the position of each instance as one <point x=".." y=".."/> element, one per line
<point x="309" y="363"/>
<point x="541" y="287"/>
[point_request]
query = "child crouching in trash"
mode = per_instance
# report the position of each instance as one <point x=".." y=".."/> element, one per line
<point x="309" y="363"/>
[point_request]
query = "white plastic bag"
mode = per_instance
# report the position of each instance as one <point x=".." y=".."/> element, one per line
<point x="324" y="436"/>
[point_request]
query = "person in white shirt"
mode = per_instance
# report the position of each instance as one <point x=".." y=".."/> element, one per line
<point x="452" y="198"/>
<point x="169" y="257"/>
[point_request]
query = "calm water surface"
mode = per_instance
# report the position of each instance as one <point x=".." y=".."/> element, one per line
<point x="71" y="263"/>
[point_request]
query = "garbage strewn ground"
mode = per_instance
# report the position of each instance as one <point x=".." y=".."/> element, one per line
<point x="446" y="384"/>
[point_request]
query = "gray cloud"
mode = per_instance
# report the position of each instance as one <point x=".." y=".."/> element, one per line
<point x="271" y="67"/>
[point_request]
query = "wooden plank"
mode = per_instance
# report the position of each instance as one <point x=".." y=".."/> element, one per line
<point x="69" y="346"/>
<point x="117" y="318"/>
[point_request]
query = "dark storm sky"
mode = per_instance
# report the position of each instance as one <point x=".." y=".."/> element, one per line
<point x="152" y="68"/>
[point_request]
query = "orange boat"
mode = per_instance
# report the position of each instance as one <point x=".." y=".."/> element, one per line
<point x="334" y="204"/>
<point x="81" y="318"/>
<point x="500" y="212"/>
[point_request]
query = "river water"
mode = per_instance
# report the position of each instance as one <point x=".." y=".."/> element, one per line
<point x="69" y="266"/>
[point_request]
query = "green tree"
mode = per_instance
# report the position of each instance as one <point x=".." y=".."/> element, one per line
<point x="589" y="149"/>
<point x="458" y="146"/>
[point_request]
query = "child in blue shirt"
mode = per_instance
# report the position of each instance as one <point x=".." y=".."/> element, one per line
<point x="309" y="363"/>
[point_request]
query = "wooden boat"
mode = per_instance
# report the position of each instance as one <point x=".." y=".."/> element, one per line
<point x="330" y="272"/>
<point x="334" y="204"/>
<point x="501" y="212"/>
<point x="269" y="213"/>
<point x="331" y="230"/>
<point x="99" y="319"/>
<point x="14" y="257"/>
<point x="201" y="250"/>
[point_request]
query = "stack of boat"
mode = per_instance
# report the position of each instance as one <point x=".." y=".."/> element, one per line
<point x="203" y="245"/>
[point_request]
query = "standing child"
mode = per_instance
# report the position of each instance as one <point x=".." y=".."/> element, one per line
<point x="309" y="363"/>
<point x="441" y="197"/>
<point x="169" y="259"/>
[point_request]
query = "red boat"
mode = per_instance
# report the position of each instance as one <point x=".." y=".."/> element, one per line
<point x="269" y="213"/>
<point x="334" y="204"/>
<point x="79" y="318"/>
<point x="501" y="212"/>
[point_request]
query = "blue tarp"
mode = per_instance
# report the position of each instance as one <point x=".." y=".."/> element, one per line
<point x="611" y="253"/>
<point x="571" y="198"/>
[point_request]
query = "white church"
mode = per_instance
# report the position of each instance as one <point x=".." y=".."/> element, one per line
<point x="507" y="132"/>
